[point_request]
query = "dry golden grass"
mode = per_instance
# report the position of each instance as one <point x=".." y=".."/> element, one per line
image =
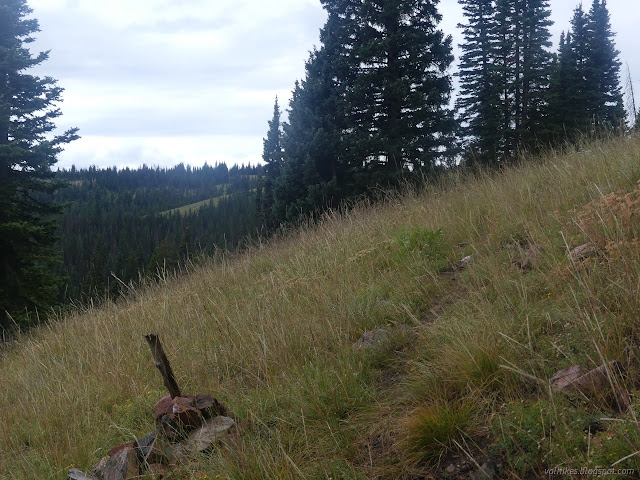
<point x="270" y="332"/>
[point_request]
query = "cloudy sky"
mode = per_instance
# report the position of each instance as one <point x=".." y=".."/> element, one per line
<point x="168" y="81"/>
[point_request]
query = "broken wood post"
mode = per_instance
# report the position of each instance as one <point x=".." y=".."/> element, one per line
<point x="162" y="363"/>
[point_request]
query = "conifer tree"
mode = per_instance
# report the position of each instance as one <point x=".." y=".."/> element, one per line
<point x="479" y="99"/>
<point x="536" y="70"/>
<point x="586" y="94"/>
<point x="504" y="75"/>
<point x="317" y="170"/>
<point x="272" y="155"/>
<point x="28" y="262"/>
<point x="565" y="104"/>
<point x="603" y="69"/>
<point x="399" y="102"/>
<point x="373" y="104"/>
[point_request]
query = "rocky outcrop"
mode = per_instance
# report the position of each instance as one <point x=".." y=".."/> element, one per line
<point x="124" y="465"/>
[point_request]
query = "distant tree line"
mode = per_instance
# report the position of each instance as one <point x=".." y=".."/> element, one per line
<point x="127" y="223"/>
<point x="373" y="107"/>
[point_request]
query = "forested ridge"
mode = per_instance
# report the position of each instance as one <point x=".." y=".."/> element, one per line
<point x="129" y="223"/>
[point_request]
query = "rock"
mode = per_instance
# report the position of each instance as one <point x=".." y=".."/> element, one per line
<point x="529" y="257"/>
<point x="465" y="262"/>
<point x="488" y="471"/>
<point x="148" y="449"/>
<point x="75" y="474"/>
<point x="210" y="407"/>
<point x="566" y="377"/>
<point x="583" y="252"/>
<point x="601" y="383"/>
<point x="123" y="466"/>
<point x="372" y="339"/>
<point x="177" y="417"/>
<point x="209" y="433"/>
<point x="115" y="450"/>
<point x="98" y="468"/>
<point x="177" y="453"/>
<point x="143" y="445"/>
<point x="162" y="407"/>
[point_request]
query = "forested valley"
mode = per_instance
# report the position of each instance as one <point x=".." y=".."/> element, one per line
<point x="119" y="226"/>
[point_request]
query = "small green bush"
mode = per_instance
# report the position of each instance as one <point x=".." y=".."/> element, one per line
<point x="430" y="243"/>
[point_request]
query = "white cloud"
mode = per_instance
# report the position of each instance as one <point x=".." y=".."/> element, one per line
<point x="141" y="75"/>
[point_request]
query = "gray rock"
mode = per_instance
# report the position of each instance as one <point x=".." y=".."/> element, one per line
<point x="75" y="474"/>
<point x="144" y="446"/>
<point x="207" y="435"/>
<point x="98" y="468"/>
<point x="465" y="262"/>
<point x="123" y="465"/>
<point x="601" y="383"/>
<point x="583" y="252"/>
<point x="372" y="339"/>
<point x="177" y="453"/>
<point x="564" y="378"/>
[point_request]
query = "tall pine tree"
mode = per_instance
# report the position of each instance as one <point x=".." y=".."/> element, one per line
<point x="479" y="99"/>
<point x="504" y="76"/>
<point x="28" y="150"/>
<point x="400" y="101"/>
<point x="567" y="107"/>
<point x="586" y="94"/>
<point x="272" y="155"/>
<point x="603" y="69"/>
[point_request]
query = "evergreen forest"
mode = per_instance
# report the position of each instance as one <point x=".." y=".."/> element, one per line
<point x="121" y="225"/>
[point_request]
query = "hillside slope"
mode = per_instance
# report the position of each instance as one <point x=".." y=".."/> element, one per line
<point x="461" y="378"/>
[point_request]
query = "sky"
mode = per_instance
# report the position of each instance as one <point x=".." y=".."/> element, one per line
<point x="160" y="82"/>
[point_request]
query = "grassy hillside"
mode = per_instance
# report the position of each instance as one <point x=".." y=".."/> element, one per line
<point x="193" y="207"/>
<point x="270" y="332"/>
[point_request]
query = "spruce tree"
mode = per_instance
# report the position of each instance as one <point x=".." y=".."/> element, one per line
<point x="479" y="99"/>
<point x="565" y="108"/>
<point x="272" y="155"/>
<point x="402" y="89"/>
<point x="373" y="104"/>
<point x="586" y="93"/>
<point x="603" y="69"/>
<point x="317" y="170"/>
<point x="505" y="76"/>
<point x="536" y="70"/>
<point x="28" y="150"/>
<point x="579" y="93"/>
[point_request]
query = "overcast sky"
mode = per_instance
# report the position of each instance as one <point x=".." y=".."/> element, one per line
<point x="168" y="81"/>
